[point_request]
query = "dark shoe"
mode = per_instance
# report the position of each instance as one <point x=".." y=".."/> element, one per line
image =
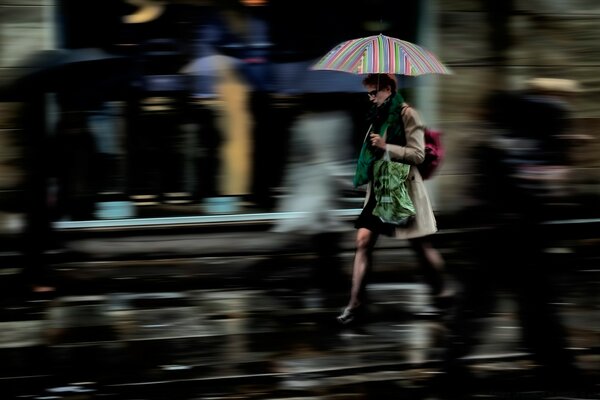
<point x="349" y="315"/>
<point x="444" y="301"/>
<point x="444" y="304"/>
<point x="346" y="316"/>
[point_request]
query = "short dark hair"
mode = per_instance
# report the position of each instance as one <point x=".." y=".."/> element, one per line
<point x="381" y="81"/>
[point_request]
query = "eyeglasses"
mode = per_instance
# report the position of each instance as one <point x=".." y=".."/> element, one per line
<point x="372" y="93"/>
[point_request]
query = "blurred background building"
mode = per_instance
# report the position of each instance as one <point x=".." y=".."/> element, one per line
<point x="149" y="114"/>
<point x="165" y="139"/>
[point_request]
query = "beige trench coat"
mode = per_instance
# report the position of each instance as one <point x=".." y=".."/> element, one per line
<point x="413" y="153"/>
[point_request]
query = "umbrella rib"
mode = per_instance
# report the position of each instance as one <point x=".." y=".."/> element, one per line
<point x="424" y="61"/>
<point x="352" y="54"/>
<point x="355" y="54"/>
<point x="424" y="58"/>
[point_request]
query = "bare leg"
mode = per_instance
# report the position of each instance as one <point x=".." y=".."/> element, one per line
<point x="431" y="263"/>
<point x="365" y="242"/>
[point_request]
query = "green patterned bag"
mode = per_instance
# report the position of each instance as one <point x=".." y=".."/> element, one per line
<point x="393" y="204"/>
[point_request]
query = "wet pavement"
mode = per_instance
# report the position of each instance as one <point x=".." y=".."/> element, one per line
<point x="247" y="344"/>
<point x="187" y="325"/>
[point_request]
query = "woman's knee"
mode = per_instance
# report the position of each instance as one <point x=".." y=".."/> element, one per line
<point x="364" y="239"/>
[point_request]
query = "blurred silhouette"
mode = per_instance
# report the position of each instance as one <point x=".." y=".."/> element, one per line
<point x="104" y="123"/>
<point x="319" y="146"/>
<point x="398" y="129"/>
<point x="519" y="172"/>
<point x="155" y="36"/>
<point x="206" y="70"/>
<point x="39" y="236"/>
<point x="250" y="26"/>
<point x="75" y="165"/>
<point x="81" y="79"/>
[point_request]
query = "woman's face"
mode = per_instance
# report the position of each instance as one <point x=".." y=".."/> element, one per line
<point x="378" y="96"/>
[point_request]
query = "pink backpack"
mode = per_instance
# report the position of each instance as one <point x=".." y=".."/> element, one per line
<point x="434" y="153"/>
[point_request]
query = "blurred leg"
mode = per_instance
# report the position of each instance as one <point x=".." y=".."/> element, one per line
<point x="432" y="265"/>
<point x="365" y="242"/>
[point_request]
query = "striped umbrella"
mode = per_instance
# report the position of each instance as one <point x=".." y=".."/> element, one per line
<point x="383" y="55"/>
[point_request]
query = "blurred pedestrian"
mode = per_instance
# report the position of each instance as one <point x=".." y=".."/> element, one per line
<point x="516" y="167"/>
<point x="312" y="186"/>
<point x="249" y="24"/>
<point x="155" y="37"/>
<point x="39" y="236"/>
<point x="60" y="181"/>
<point x="76" y="159"/>
<point x="233" y="35"/>
<point x="397" y="128"/>
<point x="206" y="71"/>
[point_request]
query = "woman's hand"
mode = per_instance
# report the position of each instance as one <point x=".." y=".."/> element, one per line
<point x="377" y="141"/>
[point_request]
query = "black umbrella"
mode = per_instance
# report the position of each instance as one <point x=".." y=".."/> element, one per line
<point x="87" y="71"/>
<point x="297" y="77"/>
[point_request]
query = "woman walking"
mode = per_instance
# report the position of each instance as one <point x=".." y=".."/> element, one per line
<point x="395" y="127"/>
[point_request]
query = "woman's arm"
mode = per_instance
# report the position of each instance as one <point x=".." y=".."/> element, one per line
<point x="414" y="151"/>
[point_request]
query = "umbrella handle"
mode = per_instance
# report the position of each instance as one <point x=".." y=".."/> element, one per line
<point x="367" y="134"/>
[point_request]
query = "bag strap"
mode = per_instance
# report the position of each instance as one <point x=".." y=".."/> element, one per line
<point x="386" y="153"/>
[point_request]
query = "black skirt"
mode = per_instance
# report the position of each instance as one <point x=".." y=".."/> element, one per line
<point x="367" y="220"/>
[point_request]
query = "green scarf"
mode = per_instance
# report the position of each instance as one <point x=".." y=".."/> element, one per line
<point x="394" y="127"/>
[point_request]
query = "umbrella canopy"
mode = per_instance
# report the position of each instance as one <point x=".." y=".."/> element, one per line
<point x="67" y="70"/>
<point x="297" y="77"/>
<point x="211" y="65"/>
<point x="382" y="55"/>
<point x="206" y="70"/>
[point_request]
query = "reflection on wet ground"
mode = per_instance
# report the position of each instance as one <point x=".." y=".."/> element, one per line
<point x="243" y="343"/>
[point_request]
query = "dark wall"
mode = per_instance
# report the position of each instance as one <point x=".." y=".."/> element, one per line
<point x="89" y="23"/>
<point x="306" y="29"/>
<point x="300" y="29"/>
